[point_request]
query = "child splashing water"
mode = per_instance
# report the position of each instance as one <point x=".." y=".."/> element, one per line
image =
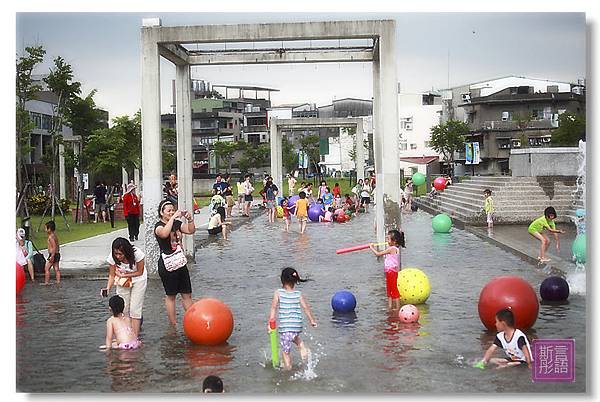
<point x="119" y="326"/>
<point x="289" y="302"/>
<point x="392" y="266"/>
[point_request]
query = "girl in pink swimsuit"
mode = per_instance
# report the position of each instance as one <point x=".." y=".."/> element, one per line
<point x="119" y="326"/>
<point x="392" y="265"/>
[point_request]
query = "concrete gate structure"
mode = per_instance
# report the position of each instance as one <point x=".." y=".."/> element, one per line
<point x="277" y="126"/>
<point x="169" y="42"/>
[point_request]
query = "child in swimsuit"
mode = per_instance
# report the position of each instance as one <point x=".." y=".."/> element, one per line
<point x="286" y="213"/>
<point x="289" y="304"/>
<point x="119" y="326"/>
<point x="392" y="265"/>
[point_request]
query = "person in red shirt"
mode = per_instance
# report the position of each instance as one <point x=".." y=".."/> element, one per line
<point x="131" y="210"/>
<point x="336" y="190"/>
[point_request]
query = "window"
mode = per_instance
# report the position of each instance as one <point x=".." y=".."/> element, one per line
<point x="535" y="141"/>
<point x="413" y="146"/>
<point x="36" y="119"/>
<point x="503" y="143"/>
<point x="403" y="146"/>
<point x="537" y="114"/>
<point x="406" y="123"/>
<point x="506" y="116"/>
<point x="46" y="122"/>
<point x="515" y="143"/>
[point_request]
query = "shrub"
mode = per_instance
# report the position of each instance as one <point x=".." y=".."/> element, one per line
<point x="38" y="202"/>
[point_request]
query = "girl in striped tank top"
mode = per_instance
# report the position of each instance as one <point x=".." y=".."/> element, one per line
<point x="290" y="303"/>
<point x="392" y="266"/>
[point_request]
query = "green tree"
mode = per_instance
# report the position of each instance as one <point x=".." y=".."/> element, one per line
<point x="60" y="82"/>
<point x="289" y="155"/>
<point x="310" y="146"/>
<point x="571" y="129"/>
<point x="169" y="149"/>
<point x="447" y="138"/>
<point x="25" y="91"/>
<point x="109" y="149"/>
<point x="85" y="118"/>
<point x="225" y="152"/>
<point x="522" y="121"/>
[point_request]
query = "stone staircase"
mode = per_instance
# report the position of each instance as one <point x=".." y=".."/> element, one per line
<point x="517" y="200"/>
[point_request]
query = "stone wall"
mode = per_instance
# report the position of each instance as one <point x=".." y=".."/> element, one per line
<point x="533" y="162"/>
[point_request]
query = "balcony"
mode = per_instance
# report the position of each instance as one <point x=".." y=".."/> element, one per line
<point x="261" y="128"/>
<point x="510" y="125"/>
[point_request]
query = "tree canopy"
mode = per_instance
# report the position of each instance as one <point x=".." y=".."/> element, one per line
<point x="571" y="129"/>
<point x="449" y="137"/>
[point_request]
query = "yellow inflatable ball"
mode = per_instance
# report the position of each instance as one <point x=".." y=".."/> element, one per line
<point x="413" y="286"/>
<point x="279" y="211"/>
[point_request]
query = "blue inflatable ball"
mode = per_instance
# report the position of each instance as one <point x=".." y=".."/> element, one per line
<point x="554" y="288"/>
<point x="314" y="211"/>
<point x="580" y="212"/>
<point x="343" y="301"/>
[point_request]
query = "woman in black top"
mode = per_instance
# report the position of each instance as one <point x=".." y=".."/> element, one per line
<point x="169" y="231"/>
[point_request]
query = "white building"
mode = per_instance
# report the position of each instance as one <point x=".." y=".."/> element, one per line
<point x="338" y="156"/>
<point x="417" y="113"/>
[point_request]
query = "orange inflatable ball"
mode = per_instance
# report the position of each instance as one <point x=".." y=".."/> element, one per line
<point x="208" y="322"/>
<point x="20" y="278"/>
<point x="508" y="292"/>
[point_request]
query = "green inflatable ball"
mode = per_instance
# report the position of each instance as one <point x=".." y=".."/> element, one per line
<point x="418" y="179"/>
<point x="578" y="248"/>
<point x="441" y="223"/>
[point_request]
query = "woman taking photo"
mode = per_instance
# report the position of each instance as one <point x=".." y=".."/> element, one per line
<point x="172" y="268"/>
<point x="126" y="271"/>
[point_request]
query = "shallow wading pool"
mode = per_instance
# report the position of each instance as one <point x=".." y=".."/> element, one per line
<point x="59" y="329"/>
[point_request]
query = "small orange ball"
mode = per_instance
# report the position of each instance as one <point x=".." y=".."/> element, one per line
<point x="208" y="322"/>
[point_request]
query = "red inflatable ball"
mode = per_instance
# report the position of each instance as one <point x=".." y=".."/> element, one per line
<point x="508" y="292"/>
<point x="20" y="278"/>
<point x="208" y="322"/>
<point x="439" y="183"/>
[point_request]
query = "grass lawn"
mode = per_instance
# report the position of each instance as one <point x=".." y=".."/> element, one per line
<point x="78" y="231"/>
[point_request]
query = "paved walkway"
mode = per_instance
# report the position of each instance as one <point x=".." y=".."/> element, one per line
<point x="87" y="257"/>
<point x="516" y="239"/>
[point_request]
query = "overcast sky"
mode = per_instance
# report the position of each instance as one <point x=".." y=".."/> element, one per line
<point x="104" y="50"/>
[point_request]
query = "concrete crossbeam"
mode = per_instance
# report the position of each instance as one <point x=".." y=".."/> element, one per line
<point x="280" y="57"/>
<point x="174" y="53"/>
<point x="321" y="30"/>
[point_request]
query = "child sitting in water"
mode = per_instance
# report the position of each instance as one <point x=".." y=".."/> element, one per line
<point x="288" y="302"/>
<point x="392" y="265"/>
<point x="536" y="229"/>
<point x="119" y="326"/>
<point x="512" y="340"/>
<point x="337" y="201"/>
<point x="328" y="216"/>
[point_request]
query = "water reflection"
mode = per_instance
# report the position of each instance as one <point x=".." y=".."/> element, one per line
<point x="125" y="369"/>
<point x="398" y="341"/>
<point x="441" y="239"/>
<point x="344" y="319"/>
<point x="209" y="360"/>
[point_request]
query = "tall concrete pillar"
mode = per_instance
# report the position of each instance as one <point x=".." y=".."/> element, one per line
<point x="62" y="188"/>
<point x="183" y="116"/>
<point x="385" y="121"/>
<point x="136" y="179"/>
<point x="124" y="179"/>
<point x="151" y="144"/>
<point x="360" y="152"/>
<point x="276" y="157"/>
